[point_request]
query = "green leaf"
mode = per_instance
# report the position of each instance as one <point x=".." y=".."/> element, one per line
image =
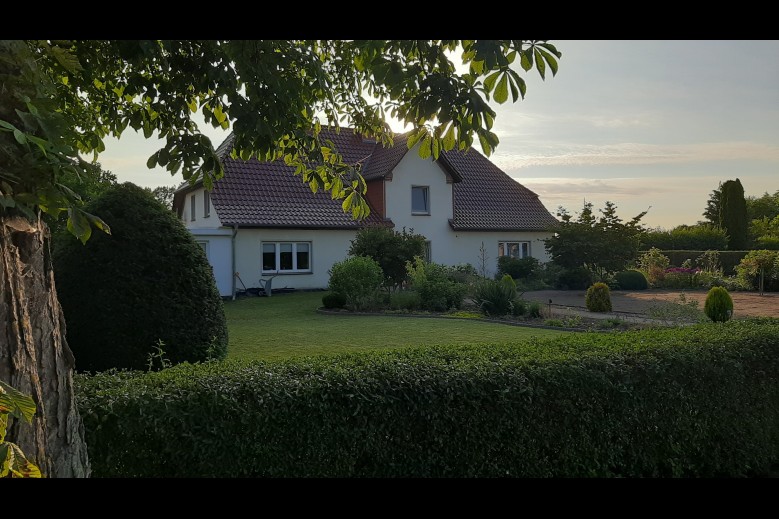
<point x="489" y="81"/>
<point x="424" y="147"/>
<point x="502" y="91"/>
<point x="549" y="59"/>
<point x="98" y="222"/>
<point x="347" y="203"/>
<point x="152" y="162"/>
<point x="16" y="403"/>
<point x="540" y="65"/>
<point x="78" y="224"/>
<point x="526" y="60"/>
<point x="20" y="138"/>
<point x="449" y="139"/>
<point x="67" y="60"/>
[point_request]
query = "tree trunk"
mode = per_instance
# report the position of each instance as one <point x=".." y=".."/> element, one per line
<point x="34" y="357"/>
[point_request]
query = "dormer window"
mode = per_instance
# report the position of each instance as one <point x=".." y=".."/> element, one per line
<point x="420" y="200"/>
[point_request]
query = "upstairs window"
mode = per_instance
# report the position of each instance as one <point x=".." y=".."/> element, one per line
<point x="192" y="208"/>
<point x="420" y="200"/>
<point x="206" y="204"/>
<point x="514" y="249"/>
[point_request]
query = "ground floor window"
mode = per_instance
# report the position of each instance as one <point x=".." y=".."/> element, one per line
<point x="286" y="256"/>
<point x="514" y="249"/>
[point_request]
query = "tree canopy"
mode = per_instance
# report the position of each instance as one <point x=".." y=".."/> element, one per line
<point x="603" y="244"/>
<point x="66" y="96"/>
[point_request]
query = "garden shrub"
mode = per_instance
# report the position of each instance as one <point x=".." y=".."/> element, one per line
<point x="534" y="309"/>
<point x="700" y="401"/>
<point x="405" y="300"/>
<point x="389" y="248"/>
<point x="518" y="307"/>
<point x="333" y="300"/>
<point x="631" y="280"/>
<point x="719" y="305"/>
<point x="578" y="278"/>
<point x="146" y="282"/>
<point x="678" y="277"/>
<point x="653" y="264"/>
<point x="432" y="281"/>
<point x="728" y="258"/>
<point x="759" y="270"/>
<point x="358" y="279"/>
<point x="495" y="298"/>
<point x="598" y="298"/>
<point x="517" y="268"/>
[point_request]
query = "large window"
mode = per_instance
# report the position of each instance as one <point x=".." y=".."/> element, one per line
<point x="514" y="249"/>
<point x="192" y="208"/>
<point x="286" y="256"/>
<point x="420" y="200"/>
<point x="206" y="204"/>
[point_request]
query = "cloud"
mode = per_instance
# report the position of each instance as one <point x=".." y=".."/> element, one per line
<point x="635" y="154"/>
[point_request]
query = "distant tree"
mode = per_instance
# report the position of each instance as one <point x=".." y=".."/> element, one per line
<point x="714" y="206"/>
<point x="164" y="194"/>
<point x="765" y="206"/>
<point x="733" y="214"/>
<point x="603" y="244"/>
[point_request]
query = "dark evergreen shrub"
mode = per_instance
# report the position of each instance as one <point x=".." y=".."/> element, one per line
<point x="631" y="280"/>
<point x="147" y="281"/>
<point x="574" y="279"/>
<point x="333" y="300"/>
<point x="517" y="268"/>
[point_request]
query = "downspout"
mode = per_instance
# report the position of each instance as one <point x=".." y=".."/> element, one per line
<point x="232" y="255"/>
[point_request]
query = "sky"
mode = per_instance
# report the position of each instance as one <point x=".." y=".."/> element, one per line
<point x="649" y="125"/>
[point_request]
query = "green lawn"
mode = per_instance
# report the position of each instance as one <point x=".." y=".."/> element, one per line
<point x="287" y="325"/>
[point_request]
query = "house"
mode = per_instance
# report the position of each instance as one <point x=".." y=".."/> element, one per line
<point x="260" y="220"/>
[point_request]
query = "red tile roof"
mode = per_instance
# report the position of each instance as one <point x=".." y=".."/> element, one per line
<point x="268" y="194"/>
<point x="487" y="199"/>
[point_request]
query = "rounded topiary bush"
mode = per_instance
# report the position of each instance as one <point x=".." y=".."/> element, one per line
<point x="577" y="278"/>
<point x="148" y="281"/>
<point x="333" y="300"/>
<point x="719" y="305"/>
<point x="598" y="298"/>
<point x="358" y="279"/>
<point x="631" y="280"/>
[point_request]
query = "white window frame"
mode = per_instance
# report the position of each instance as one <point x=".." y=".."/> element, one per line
<point x="193" y="207"/>
<point x="426" y="197"/>
<point x="277" y="248"/>
<point x="206" y="204"/>
<point x="522" y="246"/>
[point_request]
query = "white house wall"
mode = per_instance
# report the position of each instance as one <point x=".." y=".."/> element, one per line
<point x="414" y="171"/>
<point x="327" y="247"/>
<point x="463" y="247"/>
<point x="200" y="221"/>
<point x="219" y="252"/>
<point x="446" y="246"/>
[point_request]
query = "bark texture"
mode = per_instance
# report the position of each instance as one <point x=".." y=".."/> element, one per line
<point x="34" y="356"/>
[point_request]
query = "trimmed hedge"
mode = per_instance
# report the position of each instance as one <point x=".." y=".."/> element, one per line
<point x="728" y="258"/>
<point x="696" y="401"/>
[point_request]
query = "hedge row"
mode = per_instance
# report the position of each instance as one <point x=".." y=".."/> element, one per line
<point x="728" y="258"/>
<point x="699" y="401"/>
